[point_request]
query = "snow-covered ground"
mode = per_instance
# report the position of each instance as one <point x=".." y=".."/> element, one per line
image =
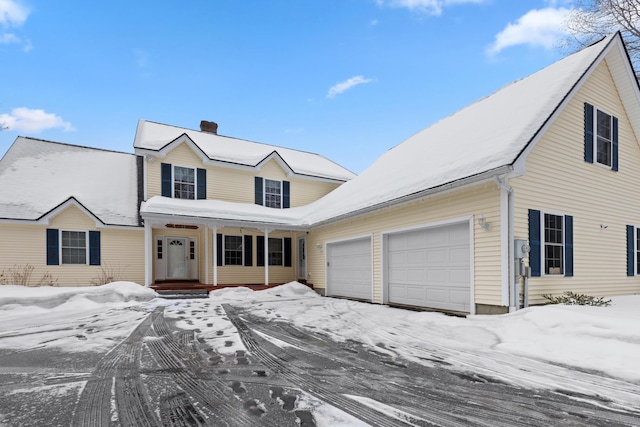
<point x="582" y="350"/>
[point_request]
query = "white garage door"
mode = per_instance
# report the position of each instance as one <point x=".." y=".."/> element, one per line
<point x="430" y="267"/>
<point x="349" y="269"/>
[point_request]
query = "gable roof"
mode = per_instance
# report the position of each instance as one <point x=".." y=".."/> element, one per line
<point x="482" y="141"/>
<point x="159" y="138"/>
<point x="38" y="178"/>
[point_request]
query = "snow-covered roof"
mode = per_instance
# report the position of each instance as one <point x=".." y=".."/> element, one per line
<point x="157" y="137"/>
<point x="482" y="140"/>
<point x="38" y="176"/>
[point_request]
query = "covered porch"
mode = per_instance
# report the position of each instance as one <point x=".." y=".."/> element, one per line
<point x="185" y="251"/>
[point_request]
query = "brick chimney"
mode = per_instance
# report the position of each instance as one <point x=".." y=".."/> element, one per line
<point x="211" y="127"/>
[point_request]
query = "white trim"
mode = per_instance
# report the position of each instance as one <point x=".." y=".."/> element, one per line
<point x="543" y="242"/>
<point x="594" y="130"/>
<point x="264" y="192"/>
<point x="206" y="253"/>
<point x="426" y="226"/>
<point x="214" y="230"/>
<point x="306" y="255"/>
<point x="86" y="245"/>
<point x="505" y="260"/>
<point x="346" y="240"/>
<point x="148" y="254"/>
<point x="173" y="181"/>
<point x="224" y="250"/>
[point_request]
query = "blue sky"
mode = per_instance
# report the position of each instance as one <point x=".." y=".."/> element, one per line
<point x="348" y="79"/>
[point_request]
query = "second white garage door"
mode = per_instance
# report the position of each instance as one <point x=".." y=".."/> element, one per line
<point x="430" y="267"/>
<point x="349" y="269"/>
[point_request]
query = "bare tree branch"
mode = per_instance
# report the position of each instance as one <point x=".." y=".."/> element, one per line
<point x="592" y="20"/>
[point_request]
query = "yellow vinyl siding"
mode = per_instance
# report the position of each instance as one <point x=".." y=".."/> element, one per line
<point x="236" y="274"/>
<point x="601" y="201"/>
<point x="121" y="250"/>
<point x="235" y="184"/>
<point x="479" y="200"/>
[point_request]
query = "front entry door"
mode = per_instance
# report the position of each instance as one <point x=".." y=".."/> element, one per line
<point x="177" y="258"/>
<point x="302" y="258"/>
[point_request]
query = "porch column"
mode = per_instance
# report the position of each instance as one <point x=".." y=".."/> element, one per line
<point x="215" y="256"/>
<point x="266" y="256"/>
<point x="206" y="253"/>
<point x="148" y="256"/>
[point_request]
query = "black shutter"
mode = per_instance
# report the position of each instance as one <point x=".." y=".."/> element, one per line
<point x="94" y="248"/>
<point x="53" y="252"/>
<point x="614" y="145"/>
<point x="260" y="251"/>
<point x="568" y="246"/>
<point x="588" y="133"/>
<point x="219" y="253"/>
<point x="630" y="251"/>
<point x="248" y="251"/>
<point x="165" y="173"/>
<point x="259" y="200"/>
<point x="202" y="184"/>
<point x="286" y="199"/>
<point x="287" y="251"/>
<point x="535" y="255"/>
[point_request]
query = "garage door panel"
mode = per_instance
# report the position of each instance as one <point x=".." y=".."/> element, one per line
<point x="349" y="269"/>
<point x="436" y="274"/>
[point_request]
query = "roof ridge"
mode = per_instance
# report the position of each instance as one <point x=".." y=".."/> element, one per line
<point x="67" y="144"/>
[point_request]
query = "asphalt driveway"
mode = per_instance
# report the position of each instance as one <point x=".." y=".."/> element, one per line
<point x="281" y="375"/>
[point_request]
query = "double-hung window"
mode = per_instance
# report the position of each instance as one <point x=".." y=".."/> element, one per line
<point x="553" y="244"/>
<point x="272" y="193"/>
<point x="603" y="138"/>
<point x="233" y="250"/>
<point x="600" y="137"/>
<point x="181" y="182"/>
<point x="73" y="248"/>
<point x="276" y="251"/>
<point x="184" y="183"/>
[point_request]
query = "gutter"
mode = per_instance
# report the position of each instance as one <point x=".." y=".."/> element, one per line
<point x="423" y="194"/>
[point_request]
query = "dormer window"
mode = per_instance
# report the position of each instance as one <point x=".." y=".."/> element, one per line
<point x="272" y="193"/>
<point x="184" y="183"/>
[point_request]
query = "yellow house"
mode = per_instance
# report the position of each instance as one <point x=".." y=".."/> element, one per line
<point x="529" y="191"/>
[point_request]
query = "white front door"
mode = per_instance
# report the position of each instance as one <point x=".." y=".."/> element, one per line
<point x="302" y="258"/>
<point x="177" y="258"/>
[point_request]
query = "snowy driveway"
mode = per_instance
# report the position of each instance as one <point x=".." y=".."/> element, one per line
<point x="286" y="357"/>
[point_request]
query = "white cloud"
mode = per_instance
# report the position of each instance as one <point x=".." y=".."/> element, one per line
<point x="536" y="28"/>
<point x="12" y="13"/>
<point x="346" y="85"/>
<point x="432" y="7"/>
<point x="33" y="121"/>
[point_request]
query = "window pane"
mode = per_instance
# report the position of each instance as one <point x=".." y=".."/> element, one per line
<point x="604" y="125"/>
<point x="553" y="244"/>
<point x="272" y="193"/>
<point x="74" y="247"/>
<point x="275" y="251"/>
<point x="233" y="250"/>
<point x="184" y="183"/>
<point x="603" y="141"/>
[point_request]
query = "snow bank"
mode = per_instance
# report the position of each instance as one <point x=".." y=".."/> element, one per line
<point x="49" y="297"/>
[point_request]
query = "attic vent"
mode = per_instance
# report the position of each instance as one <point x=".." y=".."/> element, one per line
<point x="211" y="127"/>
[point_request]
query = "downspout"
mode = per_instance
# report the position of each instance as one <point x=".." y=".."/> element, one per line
<point x="513" y="285"/>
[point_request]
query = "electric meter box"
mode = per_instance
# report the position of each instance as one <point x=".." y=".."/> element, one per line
<point x="522" y="248"/>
